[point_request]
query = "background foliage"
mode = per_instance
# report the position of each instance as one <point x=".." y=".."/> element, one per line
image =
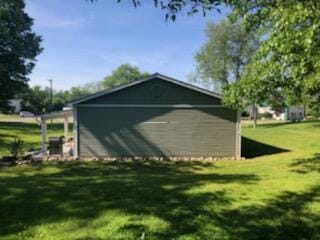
<point x="19" y="47"/>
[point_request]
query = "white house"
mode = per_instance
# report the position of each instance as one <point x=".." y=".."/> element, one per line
<point x="290" y="113"/>
<point x="16" y="105"/>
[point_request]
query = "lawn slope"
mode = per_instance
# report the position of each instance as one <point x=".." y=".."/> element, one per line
<point x="274" y="194"/>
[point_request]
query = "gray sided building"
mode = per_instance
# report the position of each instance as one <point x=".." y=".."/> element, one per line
<point x="155" y="117"/>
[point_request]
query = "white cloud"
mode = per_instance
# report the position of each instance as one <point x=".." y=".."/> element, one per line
<point x="62" y="23"/>
<point x="48" y="18"/>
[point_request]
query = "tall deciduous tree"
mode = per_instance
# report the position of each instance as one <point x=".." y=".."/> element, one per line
<point x="228" y="50"/>
<point x="289" y="57"/>
<point x="18" y="48"/>
<point x="125" y="73"/>
<point x="223" y="58"/>
<point x="290" y="53"/>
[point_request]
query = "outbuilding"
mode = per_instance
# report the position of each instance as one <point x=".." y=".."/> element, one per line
<point x="155" y="117"/>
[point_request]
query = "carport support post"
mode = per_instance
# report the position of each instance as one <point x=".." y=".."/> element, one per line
<point x="75" y="133"/>
<point x="44" y="136"/>
<point x="66" y="128"/>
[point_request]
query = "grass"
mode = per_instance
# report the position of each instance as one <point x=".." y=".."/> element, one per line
<point x="274" y="194"/>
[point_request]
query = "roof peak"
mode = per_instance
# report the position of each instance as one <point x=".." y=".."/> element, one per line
<point x="151" y="77"/>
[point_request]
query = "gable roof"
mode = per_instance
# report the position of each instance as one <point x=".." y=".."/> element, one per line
<point x="151" y="77"/>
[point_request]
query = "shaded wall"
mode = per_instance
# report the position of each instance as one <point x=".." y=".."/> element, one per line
<point x="156" y="131"/>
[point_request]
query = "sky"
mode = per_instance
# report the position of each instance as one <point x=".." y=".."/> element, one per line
<point x="84" y="41"/>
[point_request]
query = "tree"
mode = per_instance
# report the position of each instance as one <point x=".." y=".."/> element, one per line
<point x="223" y="58"/>
<point x="289" y="56"/>
<point x="228" y="50"/>
<point x="36" y="99"/>
<point x="125" y="73"/>
<point x="19" y="47"/>
<point x="173" y="7"/>
<point x="291" y="47"/>
<point x="245" y="92"/>
<point x="81" y="91"/>
<point x="277" y="102"/>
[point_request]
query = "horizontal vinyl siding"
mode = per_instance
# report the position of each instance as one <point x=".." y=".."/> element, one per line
<point x="155" y="91"/>
<point x="156" y="131"/>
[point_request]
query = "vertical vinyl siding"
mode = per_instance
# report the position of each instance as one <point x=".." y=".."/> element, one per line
<point x="138" y="131"/>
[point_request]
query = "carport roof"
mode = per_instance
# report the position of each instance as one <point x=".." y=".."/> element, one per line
<point x="151" y="77"/>
<point x="57" y="114"/>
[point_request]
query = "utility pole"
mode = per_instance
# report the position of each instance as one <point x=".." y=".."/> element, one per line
<point x="50" y="107"/>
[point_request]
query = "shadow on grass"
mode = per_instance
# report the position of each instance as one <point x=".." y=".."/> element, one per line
<point x="29" y="128"/>
<point x="85" y="190"/>
<point x="307" y="165"/>
<point x="251" y="148"/>
<point x="283" y="217"/>
<point x="171" y="192"/>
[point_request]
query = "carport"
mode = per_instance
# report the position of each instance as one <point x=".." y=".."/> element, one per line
<point x="65" y="115"/>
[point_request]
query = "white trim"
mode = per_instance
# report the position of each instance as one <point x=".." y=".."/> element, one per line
<point x="44" y="136"/>
<point x="58" y="114"/>
<point x="152" y="105"/>
<point x="65" y="128"/>
<point x="153" y="76"/>
<point x="75" y="133"/>
<point x="238" y="135"/>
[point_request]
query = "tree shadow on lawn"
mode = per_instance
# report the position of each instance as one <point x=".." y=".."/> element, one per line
<point x="7" y="140"/>
<point x="284" y="217"/>
<point x="4" y="143"/>
<point x="167" y="191"/>
<point x="251" y="148"/>
<point x="86" y="190"/>
<point x="307" y="165"/>
<point x="29" y="127"/>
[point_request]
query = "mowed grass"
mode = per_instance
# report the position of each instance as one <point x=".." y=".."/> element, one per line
<point x="27" y="129"/>
<point x="274" y="194"/>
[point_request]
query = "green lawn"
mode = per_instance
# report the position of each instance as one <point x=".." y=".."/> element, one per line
<point x="274" y="194"/>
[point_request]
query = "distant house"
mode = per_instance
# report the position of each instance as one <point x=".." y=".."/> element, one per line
<point x="16" y="105"/>
<point x="291" y="113"/>
<point x="154" y="117"/>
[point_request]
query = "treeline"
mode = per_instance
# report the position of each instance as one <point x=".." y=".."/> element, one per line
<point x="37" y="99"/>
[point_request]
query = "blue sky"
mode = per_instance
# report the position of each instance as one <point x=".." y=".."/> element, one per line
<point x="84" y="41"/>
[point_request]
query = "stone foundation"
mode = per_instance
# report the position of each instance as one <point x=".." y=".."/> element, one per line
<point x="159" y="158"/>
<point x="120" y="159"/>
